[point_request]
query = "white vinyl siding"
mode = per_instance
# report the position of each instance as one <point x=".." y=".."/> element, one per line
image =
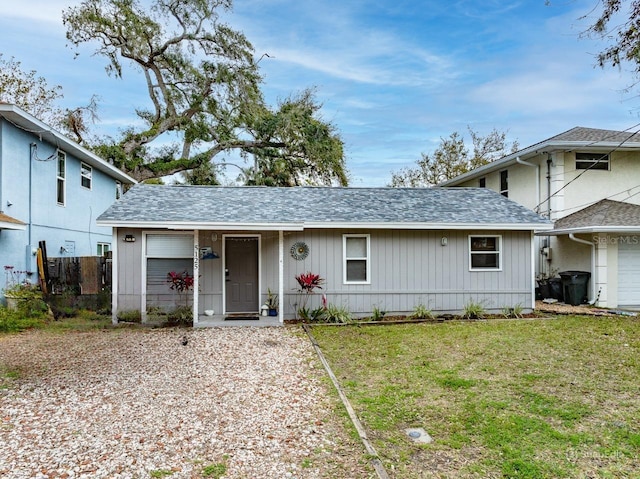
<point x="356" y="259"/>
<point x="485" y="253"/>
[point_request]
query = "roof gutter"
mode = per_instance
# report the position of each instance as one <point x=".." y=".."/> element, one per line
<point x="537" y="167"/>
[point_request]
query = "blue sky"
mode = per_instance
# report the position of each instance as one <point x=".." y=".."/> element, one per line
<point x="393" y="76"/>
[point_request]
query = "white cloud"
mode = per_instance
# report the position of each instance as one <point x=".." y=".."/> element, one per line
<point x="45" y="11"/>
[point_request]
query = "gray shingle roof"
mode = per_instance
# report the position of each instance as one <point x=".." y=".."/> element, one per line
<point x="580" y="133"/>
<point x="576" y="138"/>
<point x="603" y="214"/>
<point x="160" y="205"/>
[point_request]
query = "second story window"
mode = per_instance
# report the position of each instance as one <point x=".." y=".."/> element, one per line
<point x="61" y="178"/>
<point x="482" y="182"/>
<point x="504" y="183"/>
<point x="592" y="161"/>
<point x="118" y="189"/>
<point x="85" y="175"/>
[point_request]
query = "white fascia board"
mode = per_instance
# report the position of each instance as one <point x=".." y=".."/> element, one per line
<point x="203" y="226"/>
<point x="591" y="230"/>
<point x="533" y="150"/>
<point x="6" y="225"/>
<point x="431" y="226"/>
<point x="25" y="120"/>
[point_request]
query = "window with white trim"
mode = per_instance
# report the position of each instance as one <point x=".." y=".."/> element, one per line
<point x="103" y="248"/>
<point x="592" y="161"/>
<point x="118" y="189"/>
<point x="356" y="258"/>
<point x="85" y="175"/>
<point x="504" y="183"/>
<point x="485" y="253"/>
<point x="61" y="175"/>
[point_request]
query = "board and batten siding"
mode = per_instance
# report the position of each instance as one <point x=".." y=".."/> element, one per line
<point x="409" y="268"/>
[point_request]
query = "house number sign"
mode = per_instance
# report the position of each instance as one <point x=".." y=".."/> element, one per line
<point x="299" y="250"/>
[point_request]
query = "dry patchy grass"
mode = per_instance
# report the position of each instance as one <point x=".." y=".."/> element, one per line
<point x="520" y="398"/>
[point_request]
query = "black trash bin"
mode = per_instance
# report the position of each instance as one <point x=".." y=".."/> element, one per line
<point x="574" y="286"/>
<point x="556" y="289"/>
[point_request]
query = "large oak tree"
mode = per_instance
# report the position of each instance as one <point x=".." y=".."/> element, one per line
<point x="203" y="84"/>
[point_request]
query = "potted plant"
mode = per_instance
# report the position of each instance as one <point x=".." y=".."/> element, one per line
<point x="272" y="303"/>
<point x="18" y="289"/>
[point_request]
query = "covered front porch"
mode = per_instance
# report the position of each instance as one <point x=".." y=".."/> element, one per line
<point x="224" y="277"/>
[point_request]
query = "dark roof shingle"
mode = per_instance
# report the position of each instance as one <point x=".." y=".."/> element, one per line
<point x="315" y="205"/>
<point x="604" y="213"/>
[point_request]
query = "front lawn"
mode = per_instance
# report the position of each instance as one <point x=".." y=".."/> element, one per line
<point x="544" y="398"/>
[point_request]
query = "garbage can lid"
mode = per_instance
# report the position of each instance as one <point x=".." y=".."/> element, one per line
<point x="574" y="273"/>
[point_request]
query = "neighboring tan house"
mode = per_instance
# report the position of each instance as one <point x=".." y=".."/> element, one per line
<point x="51" y="189"/>
<point x="385" y="248"/>
<point x="566" y="178"/>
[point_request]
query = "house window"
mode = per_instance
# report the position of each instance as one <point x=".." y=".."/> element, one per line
<point x="356" y="261"/>
<point x="484" y="253"/>
<point x="118" y="189"/>
<point x="482" y="182"/>
<point x="85" y="175"/>
<point x="592" y="161"/>
<point x="504" y="183"/>
<point x="103" y="248"/>
<point x="61" y="178"/>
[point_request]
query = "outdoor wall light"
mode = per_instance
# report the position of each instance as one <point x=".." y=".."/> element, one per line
<point x="129" y="239"/>
<point x="444" y="241"/>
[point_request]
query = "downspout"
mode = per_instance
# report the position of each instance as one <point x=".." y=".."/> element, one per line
<point x="548" y="243"/>
<point x="593" y="261"/>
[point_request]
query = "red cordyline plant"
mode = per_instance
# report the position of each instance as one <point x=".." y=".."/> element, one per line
<point x="309" y="282"/>
<point x="181" y="282"/>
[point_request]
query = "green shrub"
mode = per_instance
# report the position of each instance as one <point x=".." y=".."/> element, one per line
<point x="377" y="314"/>
<point x="308" y="315"/>
<point x="512" y="312"/>
<point x="181" y="316"/>
<point x="337" y="314"/>
<point x="421" y="312"/>
<point x="130" y="316"/>
<point x="13" y="321"/>
<point x="473" y="310"/>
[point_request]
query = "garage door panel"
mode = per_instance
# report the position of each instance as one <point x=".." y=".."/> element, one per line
<point x="628" y="274"/>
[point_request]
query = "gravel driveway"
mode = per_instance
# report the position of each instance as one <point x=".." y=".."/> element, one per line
<point x="139" y="404"/>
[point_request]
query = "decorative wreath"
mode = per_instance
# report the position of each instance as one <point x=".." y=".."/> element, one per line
<point x="299" y="250"/>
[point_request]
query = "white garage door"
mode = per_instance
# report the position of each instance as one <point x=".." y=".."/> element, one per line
<point x="628" y="274"/>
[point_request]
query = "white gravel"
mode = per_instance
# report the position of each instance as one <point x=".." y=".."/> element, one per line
<point x="139" y="404"/>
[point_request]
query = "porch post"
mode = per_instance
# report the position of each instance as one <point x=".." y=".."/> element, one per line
<point x="281" y="275"/>
<point x="196" y="274"/>
<point x="114" y="276"/>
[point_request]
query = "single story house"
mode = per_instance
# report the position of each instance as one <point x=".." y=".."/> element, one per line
<point x="386" y="248"/>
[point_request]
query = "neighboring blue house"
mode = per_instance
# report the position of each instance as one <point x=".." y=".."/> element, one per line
<point x="51" y="189"/>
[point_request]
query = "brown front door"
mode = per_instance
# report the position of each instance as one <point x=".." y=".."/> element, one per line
<point x="241" y="274"/>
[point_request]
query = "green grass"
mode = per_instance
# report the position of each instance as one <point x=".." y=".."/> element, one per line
<point x="521" y="398"/>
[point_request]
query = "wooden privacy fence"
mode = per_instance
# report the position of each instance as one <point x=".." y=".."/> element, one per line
<point x="85" y="274"/>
